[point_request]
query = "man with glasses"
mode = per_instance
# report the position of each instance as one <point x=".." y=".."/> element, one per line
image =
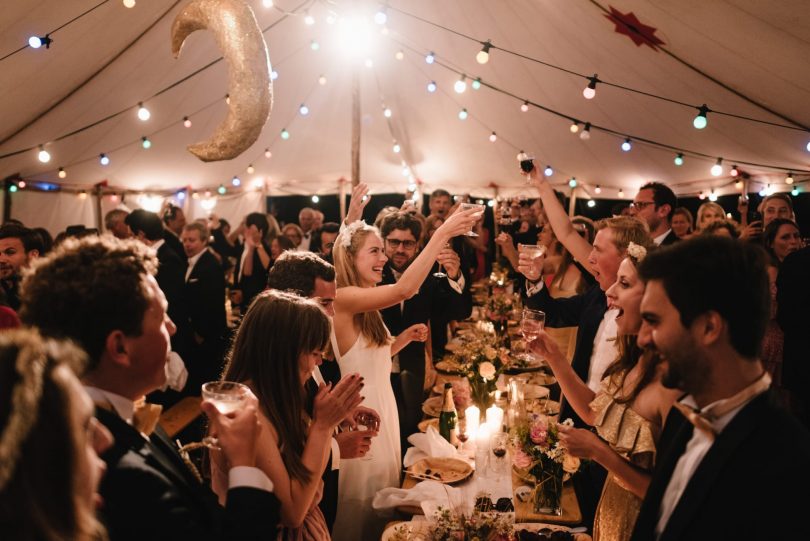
<point x="439" y="301"/>
<point x="654" y="204"/>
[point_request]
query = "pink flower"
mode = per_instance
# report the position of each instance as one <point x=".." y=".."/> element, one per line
<point x="539" y="433"/>
<point x="521" y="459"/>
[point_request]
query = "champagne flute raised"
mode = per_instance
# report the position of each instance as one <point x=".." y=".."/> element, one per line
<point x="469" y="206"/>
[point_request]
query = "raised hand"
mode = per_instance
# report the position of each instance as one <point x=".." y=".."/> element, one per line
<point x="451" y="262"/>
<point x="236" y="432"/>
<point x="332" y="405"/>
<point x="458" y="223"/>
<point x="544" y="346"/>
<point x="530" y="266"/>
<point x="360" y="199"/>
<point x="416" y="333"/>
<point x="354" y="444"/>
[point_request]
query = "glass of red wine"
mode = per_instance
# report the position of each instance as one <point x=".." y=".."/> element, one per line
<point x="498" y="444"/>
<point x="526" y="163"/>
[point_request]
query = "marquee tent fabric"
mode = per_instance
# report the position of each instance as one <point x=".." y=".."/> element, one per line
<point x="743" y="57"/>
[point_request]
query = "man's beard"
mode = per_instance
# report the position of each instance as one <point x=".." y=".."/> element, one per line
<point x="687" y="368"/>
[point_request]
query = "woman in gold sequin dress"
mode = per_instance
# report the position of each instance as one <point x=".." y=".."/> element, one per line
<point x="627" y="412"/>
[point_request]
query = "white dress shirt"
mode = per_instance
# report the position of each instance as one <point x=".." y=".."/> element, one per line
<point x="306" y="240"/>
<point x="660" y="238"/>
<point x="604" y="349"/>
<point x="193" y="261"/>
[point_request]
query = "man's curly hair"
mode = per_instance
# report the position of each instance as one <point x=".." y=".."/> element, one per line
<point x="87" y="288"/>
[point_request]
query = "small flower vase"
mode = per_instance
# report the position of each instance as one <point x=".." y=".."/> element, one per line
<point x="548" y="489"/>
<point x="480" y="394"/>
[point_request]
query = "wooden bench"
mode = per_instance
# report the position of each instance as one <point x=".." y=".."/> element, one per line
<point x="180" y="415"/>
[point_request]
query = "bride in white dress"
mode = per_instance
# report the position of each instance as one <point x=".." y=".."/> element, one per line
<point x="362" y="344"/>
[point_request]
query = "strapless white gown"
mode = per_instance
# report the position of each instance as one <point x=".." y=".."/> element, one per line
<point x="361" y="478"/>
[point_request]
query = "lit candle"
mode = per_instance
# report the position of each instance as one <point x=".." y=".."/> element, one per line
<point x="495" y="418"/>
<point x="473" y="417"/>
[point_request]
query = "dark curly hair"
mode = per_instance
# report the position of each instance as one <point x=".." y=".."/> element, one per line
<point x="86" y="288"/>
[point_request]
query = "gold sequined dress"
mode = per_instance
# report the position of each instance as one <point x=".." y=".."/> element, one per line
<point x="630" y="435"/>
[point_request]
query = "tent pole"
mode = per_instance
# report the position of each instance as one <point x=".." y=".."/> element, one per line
<point x="356" y="125"/>
<point x="495" y="225"/>
<point x="99" y="217"/>
<point x="342" y="198"/>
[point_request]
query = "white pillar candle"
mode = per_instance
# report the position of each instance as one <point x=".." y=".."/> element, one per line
<point x="495" y="418"/>
<point x="473" y="417"/>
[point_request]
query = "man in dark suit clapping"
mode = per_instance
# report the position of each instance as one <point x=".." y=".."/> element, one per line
<point x="101" y="293"/>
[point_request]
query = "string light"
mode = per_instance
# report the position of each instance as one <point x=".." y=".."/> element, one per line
<point x="35" y="42"/>
<point x="590" y="91"/>
<point x="411" y="187"/>
<point x="285" y="134"/>
<point x="228" y="99"/>
<point x="586" y="132"/>
<point x="315" y="198"/>
<point x="460" y="86"/>
<point x="701" y="196"/>
<point x="574" y="127"/>
<point x="267" y="153"/>
<point x="621" y="193"/>
<point x="131" y="4"/>
<point x="524" y="106"/>
<point x="181" y="195"/>
<point x="712" y="196"/>
<point x="146" y="143"/>
<point x="491" y="203"/>
<point x="627" y="146"/>
<point x="143" y="112"/>
<point x="221" y="190"/>
<point x="734" y="171"/>
<point x="591" y="203"/>
<point x="548" y="171"/>
<point x="738" y="184"/>
<point x="250" y="169"/>
<point x="304" y="110"/>
<point x="21" y="184"/>
<point x="387" y="112"/>
<point x="598" y="189"/>
<point x="794" y="192"/>
<point x="12" y="188"/>
<point x="314" y="45"/>
<point x="396" y="148"/>
<point x="62" y="173"/>
<point x="476" y="84"/>
<point x="236" y="181"/>
<point x="381" y="17"/>
<point x="103" y="159"/>
<point x="462" y="115"/>
<point x="273" y="75"/>
<point x="322" y="80"/>
<point x="678" y="159"/>
<point x="493" y="137"/>
<point x="430" y="58"/>
<point x="309" y="20"/>
<point x="572" y="183"/>
<point x="808" y="146"/>
<point x="700" y="120"/>
<point x="717" y="168"/>
<point x="267" y="3"/>
<point x="83" y="195"/>
<point x="431" y="86"/>
<point x="789" y="178"/>
<point x="186" y="122"/>
<point x="44" y="156"/>
<point x="483" y="55"/>
<point x="399" y="55"/>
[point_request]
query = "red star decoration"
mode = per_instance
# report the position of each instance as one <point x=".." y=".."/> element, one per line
<point x="629" y="25"/>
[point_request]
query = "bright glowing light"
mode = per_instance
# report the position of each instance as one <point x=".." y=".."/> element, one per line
<point x="208" y="204"/>
<point x="586" y="133"/>
<point x="712" y="196"/>
<point x="524" y="106"/>
<point x="83" y="195"/>
<point x="381" y="17"/>
<point x="808" y="146"/>
<point x="103" y="159"/>
<point x="62" y="173"/>
<point x="548" y="171"/>
<point x="627" y="145"/>
<point x="460" y="86"/>
<point x="591" y="203"/>
<point x="146" y="143"/>
<point x="258" y="184"/>
<point x="12" y="188"/>
<point x="738" y="184"/>
<point x="400" y="55"/>
<point x="267" y="3"/>
<point x="309" y="20"/>
<point x="483" y="55"/>
<point x="574" y="127"/>
<point x="267" y="153"/>
<point x="493" y="137"/>
<point x="143" y="112"/>
<point x="396" y="148"/>
<point x="734" y="171"/>
<point x="221" y="190"/>
<point x="431" y="87"/>
<point x="186" y="122"/>
<point x="589" y="94"/>
<point x="236" y="181"/>
<point x="597" y="190"/>
<point x="387" y="112"/>
<point x="273" y="75"/>
<point x="315" y="198"/>
<point x="794" y="192"/>
<point x="250" y="169"/>
<point x="43" y="155"/>
<point x="285" y="134"/>
<point x="322" y="80"/>
<point x="151" y="203"/>
<point x="621" y="194"/>
<point x="228" y="99"/>
<point x="491" y="203"/>
<point x="21" y="184"/>
<point x="181" y="195"/>
<point x="789" y="178"/>
<point x="431" y="57"/>
<point x="129" y="3"/>
<point x="406" y="171"/>
<point x="462" y="115"/>
<point x="314" y="45"/>
<point x="355" y="37"/>
<point x="572" y="183"/>
<point x="35" y="42"/>
<point x="678" y="160"/>
<point x="304" y="110"/>
<point x="700" y="120"/>
<point x="717" y="169"/>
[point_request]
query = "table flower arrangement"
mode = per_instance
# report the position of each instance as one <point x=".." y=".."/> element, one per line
<point x="538" y="454"/>
<point x="481" y="361"/>
<point x="448" y="525"/>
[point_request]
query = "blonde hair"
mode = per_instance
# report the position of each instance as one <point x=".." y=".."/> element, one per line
<point x="627" y="229"/>
<point x="347" y="245"/>
<point x="702" y="210"/>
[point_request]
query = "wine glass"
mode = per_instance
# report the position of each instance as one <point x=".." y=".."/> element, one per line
<point x="531" y="323"/>
<point x="367" y="422"/>
<point x="469" y="206"/>
<point x="498" y="444"/>
<point x="534" y="251"/>
<point x="463" y="435"/>
<point x="440" y="273"/>
<point x="526" y="164"/>
<point x="227" y="397"/>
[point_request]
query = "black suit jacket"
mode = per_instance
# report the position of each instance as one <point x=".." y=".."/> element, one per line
<point x="205" y="295"/>
<point x="255" y="283"/>
<point x="330" y="477"/>
<point x="751" y="484"/>
<point x="149" y="494"/>
<point x="793" y="300"/>
<point x="171" y="277"/>
<point x="174" y="242"/>
<point x="672" y="238"/>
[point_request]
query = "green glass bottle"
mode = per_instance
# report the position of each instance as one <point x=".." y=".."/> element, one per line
<point x="448" y="418"/>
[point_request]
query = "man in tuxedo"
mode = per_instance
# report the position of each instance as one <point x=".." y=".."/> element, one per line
<point x="439" y="300"/>
<point x="793" y="300"/>
<point x="115" y="223"/>
<point x="310" y="276"/>
<point x="205" y="297"/>
<point x="654" y="203"/>
<point x="728" y="444"/>
<point x="101" y="293"/>
<point x="254" y="260"/>
<point x="306" y="219"/>
<point x="174" y="220"/>
<point x="19" y="246"/>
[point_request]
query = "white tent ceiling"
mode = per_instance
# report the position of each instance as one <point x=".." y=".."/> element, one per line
<point x="112" y="58"/>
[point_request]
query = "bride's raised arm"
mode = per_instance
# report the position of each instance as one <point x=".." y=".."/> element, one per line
<point x="357" y="300"/>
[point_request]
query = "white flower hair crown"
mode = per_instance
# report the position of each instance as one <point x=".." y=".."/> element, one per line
<point x="348" y="233"/>
<point x="636" y="251"/>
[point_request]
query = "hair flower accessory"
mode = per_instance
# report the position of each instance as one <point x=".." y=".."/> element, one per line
<point x="636" y="251"/>
<point x="347" y="234"/>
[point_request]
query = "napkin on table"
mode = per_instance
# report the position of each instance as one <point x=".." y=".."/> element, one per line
<point x="429" y="444"/>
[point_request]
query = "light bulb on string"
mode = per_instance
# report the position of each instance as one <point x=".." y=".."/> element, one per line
<point x="285" y="134"/>
<point x="303" y="110"/>
<point x="12" y="188"/>
<point x="789" y="179"/>
<point x="586" y="132"/>
<point x="228" y="99"/>
<point x="491" y="203"/>
<point x="734" y="171"/>
<point x="103" y="159"/>
<point x="700" y="120"/>
<point x="43" y="155"/>
<point x="572" y="182"/>
<point x="483" y="55"/>
<point x="598" y="189"/>
<point x="267" y="153"/>
<point x="590" y="91"/>
<point x="309" y="20"/>
<point x="129" y="4"/>
<point x="387" y="112"/>
<point x="462" y="115"/>
<point x="82" y="195"/>
<point x="574" y="128"/>
<point x="21" y="184"/>
<point x="591" y="203"/>
<point x="381" y="17"/>
<point x="146" y="143"/>
<point x="717" y="168"/>
<point x="461" y="85"/>
<point x="250" y="169"/>
<point x="524" y="106"/>
<point x="221" y="190"/>
<point x="431" y="86"/>
<point x="476" y="84"/>
<point x="314" y="45"/>
<point x="62" y="173"/>
<point x="795" y="191"/>
<point x="236" y="181"/>
<point x="406" y="171"/>
<point x="738" y="184"/>
<point x="35" y="42"/>
<point x="548" y="171"/>
<point x="396" y="148"/>
<point x="322" y="80"/>
<point x="493" y="137"/>
<point x="712" y="196"/>
<point x="678" y="159"/>
<point x="273" y="75"/>
<point x="143" y="112"/>
<point x="186" y="122"/>
<point x="399" y="55"/>
<point x="808" y="146"/>
<point x="701" y="196"/>
<point x="181" y="195"/>
<point x="627" y="145"/>
<point x="430" y="58"/>
<point x="267" y="3"/>
<point x="411" y="187"/>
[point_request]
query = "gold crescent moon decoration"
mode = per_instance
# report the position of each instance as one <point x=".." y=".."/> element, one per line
<point x="250" y="89"/>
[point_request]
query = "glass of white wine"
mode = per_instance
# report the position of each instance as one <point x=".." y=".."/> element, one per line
<point x="535" y="253"/>
<point x="227" y="397"/>
<point x="531" y="323"/>
<point x="469" y="206"/>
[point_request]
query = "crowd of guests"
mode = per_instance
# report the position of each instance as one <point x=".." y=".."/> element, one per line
<point x="686" y="378"/>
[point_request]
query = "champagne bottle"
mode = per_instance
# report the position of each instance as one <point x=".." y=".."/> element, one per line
<point x="448" y="417"/>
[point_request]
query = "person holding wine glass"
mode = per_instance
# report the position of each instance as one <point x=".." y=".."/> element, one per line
<point x="627" y="412"/>
<point x="293" y="447"/>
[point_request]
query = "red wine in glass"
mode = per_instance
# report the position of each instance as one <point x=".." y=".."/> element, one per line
<point x="500" y="452"/>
